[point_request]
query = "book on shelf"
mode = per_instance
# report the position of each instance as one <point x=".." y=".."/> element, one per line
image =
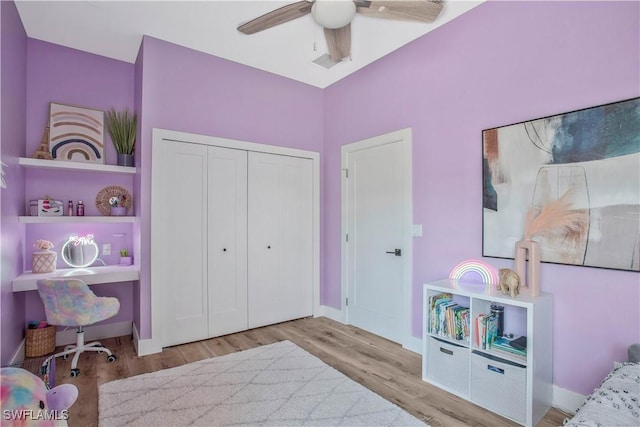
<point x="479" y="330"/>
<point x="447" y="318"/>
<point x="486" y="330"/>
<point x="503" y="345"/>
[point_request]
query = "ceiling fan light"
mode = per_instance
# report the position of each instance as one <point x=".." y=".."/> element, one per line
<point x="333" y="14"/>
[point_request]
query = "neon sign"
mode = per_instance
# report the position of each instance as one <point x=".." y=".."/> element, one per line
<point x="80" y="251"/>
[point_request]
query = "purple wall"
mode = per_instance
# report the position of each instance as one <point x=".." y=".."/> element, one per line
<point x="69" y="76"/>
<point x="13" y="65"/>
<point x="189" y="91"/>
<point x="56" y="73"/>
<point x="501" y="63"/>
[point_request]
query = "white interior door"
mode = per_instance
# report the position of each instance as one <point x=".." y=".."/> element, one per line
<point x="184" y="267"/>
<point x="378" y="219"/>
<point x="280" y="238"/>
<point x="227" y="236"/>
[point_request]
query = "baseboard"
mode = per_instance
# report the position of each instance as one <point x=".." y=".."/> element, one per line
<point x="413" y="344"/>
<point x="567" y="400"/>
<point x="94" y="332"/>
<point x="331" y="313"/>
<point x="18" y="356"/>
<point x="146" y="346"/>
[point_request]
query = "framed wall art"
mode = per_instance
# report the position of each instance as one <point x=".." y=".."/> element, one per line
<point x="591" y="159"/>
<point x="76" y="134"/>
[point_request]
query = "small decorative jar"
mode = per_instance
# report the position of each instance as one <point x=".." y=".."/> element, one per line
<point x="44" y="261"/>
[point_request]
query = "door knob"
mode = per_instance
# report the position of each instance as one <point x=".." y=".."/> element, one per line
<point x="396" y="252"/>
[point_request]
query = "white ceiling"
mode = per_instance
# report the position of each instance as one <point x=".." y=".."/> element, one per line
<point x="115" y="28"/>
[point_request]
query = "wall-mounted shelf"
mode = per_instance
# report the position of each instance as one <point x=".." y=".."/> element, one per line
<point x="75" y="219"/>
<point x="28" y="281"/>
<point x="74" y="166"/>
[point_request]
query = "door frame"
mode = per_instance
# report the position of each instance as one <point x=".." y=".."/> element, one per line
<point x="403" y="136"/>
<point x="157" y="235"/>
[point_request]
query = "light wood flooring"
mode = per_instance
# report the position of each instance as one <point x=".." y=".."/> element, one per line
<point x="380" y="365"/>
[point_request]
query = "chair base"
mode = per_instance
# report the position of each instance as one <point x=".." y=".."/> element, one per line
<point x="79" y="348"/>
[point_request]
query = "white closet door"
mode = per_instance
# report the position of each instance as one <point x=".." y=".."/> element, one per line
<point x="280" y="238"/>
<point x="184" y="263"/>
<point x="227" y="261"/>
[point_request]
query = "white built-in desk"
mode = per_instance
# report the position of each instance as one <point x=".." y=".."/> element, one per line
<point x="28" y="281"/>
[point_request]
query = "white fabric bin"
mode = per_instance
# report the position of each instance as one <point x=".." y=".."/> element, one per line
<point x="499" y="385"/>
<point x="448" y="365"/>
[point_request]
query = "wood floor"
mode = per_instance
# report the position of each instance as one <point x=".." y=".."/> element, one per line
<point x="380" y="365"/>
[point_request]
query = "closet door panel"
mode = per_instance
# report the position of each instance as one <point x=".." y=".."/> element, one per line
<point x="185" y="311"/>
<point x="280" y="238"/>
<point x="227" y="260"/>
<point x="297" y="236"/>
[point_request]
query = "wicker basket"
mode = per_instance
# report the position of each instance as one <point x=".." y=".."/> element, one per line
<point x="39" y="342"/>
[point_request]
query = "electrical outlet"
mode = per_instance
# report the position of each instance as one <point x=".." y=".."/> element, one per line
<point x="106" y="249"/>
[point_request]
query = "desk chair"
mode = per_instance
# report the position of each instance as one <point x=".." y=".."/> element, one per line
<point x="70" y="302"/>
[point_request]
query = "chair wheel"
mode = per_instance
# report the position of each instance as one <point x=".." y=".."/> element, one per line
<point x="111" y="358"/>
<point x="75" y="372"/>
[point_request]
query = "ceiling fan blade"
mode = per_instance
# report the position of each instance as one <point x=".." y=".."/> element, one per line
<point x="276" y="17"/>
<point x="410" y="10"/>
<point x="338" y="42"/>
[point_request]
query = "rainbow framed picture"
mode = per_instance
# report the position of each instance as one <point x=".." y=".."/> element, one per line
<point x="76" y="134"/>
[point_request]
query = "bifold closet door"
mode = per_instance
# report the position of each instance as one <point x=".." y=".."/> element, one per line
<point x="280" y="238"/>
<point x="184" y="264"/>
<point x="227" y="236"/>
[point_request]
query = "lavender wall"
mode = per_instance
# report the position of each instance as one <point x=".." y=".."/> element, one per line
<point x="60" y="74"/>
<point x="13" y="64"/>
<point x="69" y="76"/>
<point x="189" y="91"/>
<point x="501" y="63"/>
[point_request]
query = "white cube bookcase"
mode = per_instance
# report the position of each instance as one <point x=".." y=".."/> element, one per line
<point x="518" y="388"/>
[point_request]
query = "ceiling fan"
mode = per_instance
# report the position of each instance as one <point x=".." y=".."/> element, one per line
<point x="335" y="17"/>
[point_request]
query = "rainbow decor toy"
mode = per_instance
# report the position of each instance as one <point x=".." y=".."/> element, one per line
<point x="488" y="274"/>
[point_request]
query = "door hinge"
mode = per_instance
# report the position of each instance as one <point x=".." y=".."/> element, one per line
<point x="346" y="173"/>
<point x="347" y="237"/>
<point x="346" y="301"/>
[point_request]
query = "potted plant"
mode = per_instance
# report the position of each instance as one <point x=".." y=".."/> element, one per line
<point x="125" y="259"/>
<point x="118" y="205"/>
<point x="122" y="128"/>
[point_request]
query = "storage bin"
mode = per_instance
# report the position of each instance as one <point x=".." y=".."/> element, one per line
<point x="39" y="342"/>
<point x="448" y="365"/>
<point x="46" y="207"/>
<point x="499" y="385"/>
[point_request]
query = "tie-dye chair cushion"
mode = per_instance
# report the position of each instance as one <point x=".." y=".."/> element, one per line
<point x="71" y="303"/>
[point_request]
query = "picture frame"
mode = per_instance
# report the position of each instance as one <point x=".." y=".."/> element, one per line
<point x="76" y="133"/>
<point x="591" y="158"/>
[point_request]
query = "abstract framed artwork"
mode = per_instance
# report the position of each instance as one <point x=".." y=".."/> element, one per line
<point x="76" y="134"/>
<point x="589" y="157"/>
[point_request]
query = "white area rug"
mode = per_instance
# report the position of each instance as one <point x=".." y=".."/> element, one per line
<point x="274" y="385"/>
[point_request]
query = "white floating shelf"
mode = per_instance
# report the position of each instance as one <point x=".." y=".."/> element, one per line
<point x="28" y="281"/>
<point x="74" y="219"/>
<point x="74" y="166"/>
